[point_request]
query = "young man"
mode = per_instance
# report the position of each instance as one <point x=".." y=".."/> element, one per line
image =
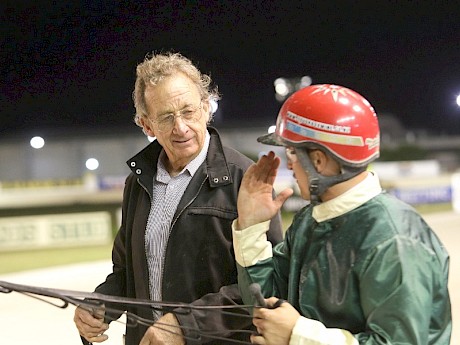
<point x="357" y="265"/>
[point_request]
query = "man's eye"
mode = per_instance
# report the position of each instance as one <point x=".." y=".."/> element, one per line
<point x="187" y="112"/>
<point x="166" y="118"/>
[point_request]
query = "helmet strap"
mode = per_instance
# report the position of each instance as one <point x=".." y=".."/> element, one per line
<point x="319" y="183"/>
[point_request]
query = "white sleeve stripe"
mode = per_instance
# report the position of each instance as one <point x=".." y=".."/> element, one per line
<point x="251" y="244"/>
<point x="311" y="332"/>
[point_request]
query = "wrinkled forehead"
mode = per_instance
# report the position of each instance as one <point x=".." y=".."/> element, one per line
<point x="173" y="92"/>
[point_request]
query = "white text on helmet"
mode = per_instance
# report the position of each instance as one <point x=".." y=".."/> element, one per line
<point x="319" y="125"/>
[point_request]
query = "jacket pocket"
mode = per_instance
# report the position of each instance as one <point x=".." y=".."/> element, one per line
<point x="215" y="212"/>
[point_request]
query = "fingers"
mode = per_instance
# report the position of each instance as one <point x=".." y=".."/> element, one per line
<point x="281" y="198"/>
<point x="255" y="197"/>
<point x="97" y="338"/>
<point x="268" y="167"/>
<point x="258" y="339"/>
<point x="250" y="176"/>
<point x="91" y="319"/>
<point x="271" y="300"/>
<point x="264" y="171"/>
<point x="90" y="327"/>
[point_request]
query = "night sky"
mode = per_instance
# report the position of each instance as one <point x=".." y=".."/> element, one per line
<point x="71" y="65"/>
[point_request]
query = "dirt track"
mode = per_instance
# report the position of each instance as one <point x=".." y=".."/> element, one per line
<point x="24" y="320"/>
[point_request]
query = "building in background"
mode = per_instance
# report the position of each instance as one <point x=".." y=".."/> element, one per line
<point x="63" y="189"/>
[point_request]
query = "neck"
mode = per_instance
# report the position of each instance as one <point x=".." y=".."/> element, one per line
<point x="174" y="170"/>
<point x="340" y="188"/>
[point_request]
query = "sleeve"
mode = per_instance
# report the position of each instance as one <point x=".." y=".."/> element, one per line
<point x="397" y="294"/>
<point x="259" y="262"/>
<point x="308" y="331"/>
<point x="251" y="245"/>
<point x="402" y="291"/>
<point x="397" y="298"/>
<point x="115" y="282"/>
<point x="236" y="324"/>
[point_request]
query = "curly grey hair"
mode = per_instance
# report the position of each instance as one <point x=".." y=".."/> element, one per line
<point x="156" y="67"/>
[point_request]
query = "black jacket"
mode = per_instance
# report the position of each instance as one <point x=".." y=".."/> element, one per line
<point x="199" y="255"/>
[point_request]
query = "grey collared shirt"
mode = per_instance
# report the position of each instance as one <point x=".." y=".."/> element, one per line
<point x="167" y="193"/>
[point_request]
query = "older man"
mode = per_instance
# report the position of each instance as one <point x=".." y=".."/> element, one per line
<point x="175" y="240"/>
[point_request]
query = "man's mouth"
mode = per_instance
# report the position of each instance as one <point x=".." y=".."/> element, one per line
<point x="182" y="141"/>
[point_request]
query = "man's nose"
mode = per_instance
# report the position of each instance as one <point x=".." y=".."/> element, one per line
<point x="179" y="123"/>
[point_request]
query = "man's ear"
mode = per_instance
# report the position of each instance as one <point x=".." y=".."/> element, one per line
<point x="319" y="160"/>
<point x="147" y="127"/>
<point x="324" y="164"/>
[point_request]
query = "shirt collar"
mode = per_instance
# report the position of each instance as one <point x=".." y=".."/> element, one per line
<point x="348" y="201"/>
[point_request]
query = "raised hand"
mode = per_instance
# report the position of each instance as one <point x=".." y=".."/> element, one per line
<point x="255" y="198"/>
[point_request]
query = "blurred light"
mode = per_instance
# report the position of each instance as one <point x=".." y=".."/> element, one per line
<point x="281" y="87"/>
<point x="37" y="142"/>
<point x="271" y="129"/>
<point x="92" y="164"/>
<point x="286" y="86"/>
<point x="458" y="100"/>
<point x="305" y="81"/>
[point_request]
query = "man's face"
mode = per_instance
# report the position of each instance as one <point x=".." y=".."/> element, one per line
<point x="182" y="140"/>
<point x="300" y="174"/>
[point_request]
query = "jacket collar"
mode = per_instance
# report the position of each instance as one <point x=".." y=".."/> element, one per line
<point x="348" y="201"/>
<point x="144" y="164"/>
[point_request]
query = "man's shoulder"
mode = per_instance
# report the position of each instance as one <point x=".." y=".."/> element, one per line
<point x="236" y="157"/>
<point x="392" y="204"/>
<point x="232" y="156"/>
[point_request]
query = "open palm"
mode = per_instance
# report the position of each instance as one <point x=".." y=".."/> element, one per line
<point x="255" y="199"/>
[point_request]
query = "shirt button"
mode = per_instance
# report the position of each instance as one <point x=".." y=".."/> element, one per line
<point x="216" y="180"/>
<point x="138" y="171"/>
<point x="133" y="164"/>
<point x="225" y="178"/>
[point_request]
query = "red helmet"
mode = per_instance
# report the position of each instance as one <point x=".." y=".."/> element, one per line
<point x="331" y="117"/>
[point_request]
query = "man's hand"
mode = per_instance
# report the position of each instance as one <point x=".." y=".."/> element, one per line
<point x="255" y="198"/>
<point x="274" y="325"/>
<point x="165" y="331"/>
<point x="91" y="326"/>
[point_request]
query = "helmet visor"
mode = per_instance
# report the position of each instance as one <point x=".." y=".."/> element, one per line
<point x="271" y="139"/>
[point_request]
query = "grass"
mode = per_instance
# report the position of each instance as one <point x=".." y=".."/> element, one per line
<point x="33" y="259"/>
